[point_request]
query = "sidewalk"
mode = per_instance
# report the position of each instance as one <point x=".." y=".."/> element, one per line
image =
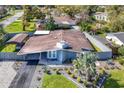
<point x="11" y="19"/>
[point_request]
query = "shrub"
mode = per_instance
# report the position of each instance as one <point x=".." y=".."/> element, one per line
<point x="68" y="71"/>
<point x="48" y="72"/>
<point x="121" y="60"/>
<point x="85" y="82"/>
<point x="94" y="83"/>
<point x="75" y="71"/>
<point x="72" y="75"/>
<point x="38" y="78"/>
<point x="79" y="79"/>
<point x="54" y="69"/>
<point x="121" y="50"/>
<point x="58" y="71"/>
<point x="102" y="71"/>
<point x="71" y="68"/>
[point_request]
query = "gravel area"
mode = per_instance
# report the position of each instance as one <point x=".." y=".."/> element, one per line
<point x="7" y="73"/>
<point x="37" y="78"/>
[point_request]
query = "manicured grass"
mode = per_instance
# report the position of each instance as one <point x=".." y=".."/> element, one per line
<point x="57" y="81"/>
<point x="8" y="48"/>
<point x="116" y="80"/>
<point x="16" y="27"/>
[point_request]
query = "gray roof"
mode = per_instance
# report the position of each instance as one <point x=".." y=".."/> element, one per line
<point x="120" y="36"/>
<point x="101" y="39"/>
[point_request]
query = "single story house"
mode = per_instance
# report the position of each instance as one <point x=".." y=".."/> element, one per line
<point x="62" y="22"/>
<point x="58" y="46"/>
<point x="117" y="38"/>
<point x="108" y="43"/>
<point x="101" y="16"/>
<point x="19" y="40"/>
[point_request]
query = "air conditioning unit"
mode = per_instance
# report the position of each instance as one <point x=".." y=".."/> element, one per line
<point x="62" y="45"/>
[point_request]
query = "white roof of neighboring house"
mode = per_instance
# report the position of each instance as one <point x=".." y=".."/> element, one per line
<point x="42" y="32"/>
<point x="116" y="37"/>
<point x="76" y="27"/>
<point x="101" y="13"/>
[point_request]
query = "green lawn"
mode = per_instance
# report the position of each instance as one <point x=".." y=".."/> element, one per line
<point x="116" y="80"/>
<point x="8" y="48"/>
<point x="57" y="81"/>
<point x="17" y="27"/>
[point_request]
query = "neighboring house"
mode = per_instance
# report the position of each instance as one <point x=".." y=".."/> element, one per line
<point x="65" y="20"/>
<point x="19" y="40"/>
<point x="58" y="46"/>
<point x="81" y="16"/>
<point x="103" y="52"/>
<point x="117" y="38"/>
<point x="108" y="43"/>
<point x="101" y="16"/>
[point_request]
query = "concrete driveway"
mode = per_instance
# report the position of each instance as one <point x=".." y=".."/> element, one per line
<point x="7" y="73"/>
<point x="11" y="19"/>
<point x="24" y="76"/>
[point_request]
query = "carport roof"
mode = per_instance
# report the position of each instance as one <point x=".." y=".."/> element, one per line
<point x="18" y="38"/>
<point x="36" y="44"/>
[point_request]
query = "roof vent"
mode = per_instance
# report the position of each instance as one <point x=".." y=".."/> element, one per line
<point x="62" y="45"/>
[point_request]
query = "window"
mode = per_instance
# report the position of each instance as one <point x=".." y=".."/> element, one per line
<point x="51" y="54"/>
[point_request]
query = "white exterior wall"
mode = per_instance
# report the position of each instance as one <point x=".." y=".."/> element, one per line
<point x="101" y="16"/>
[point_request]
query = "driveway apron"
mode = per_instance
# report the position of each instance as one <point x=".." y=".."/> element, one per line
<point x="24" y="76"/>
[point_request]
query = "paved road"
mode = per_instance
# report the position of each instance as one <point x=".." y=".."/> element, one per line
<point x="11" y="19"/>
<point x="24" y="76"/>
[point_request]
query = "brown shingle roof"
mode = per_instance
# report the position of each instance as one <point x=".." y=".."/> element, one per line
<point x="19" y="38"/>
<point x="61" y="19"/>
<point x="76" y="39"/>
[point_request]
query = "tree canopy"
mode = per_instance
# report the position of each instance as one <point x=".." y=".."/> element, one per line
<point x="121" y="50"/>
<point x="116" y="17"/>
